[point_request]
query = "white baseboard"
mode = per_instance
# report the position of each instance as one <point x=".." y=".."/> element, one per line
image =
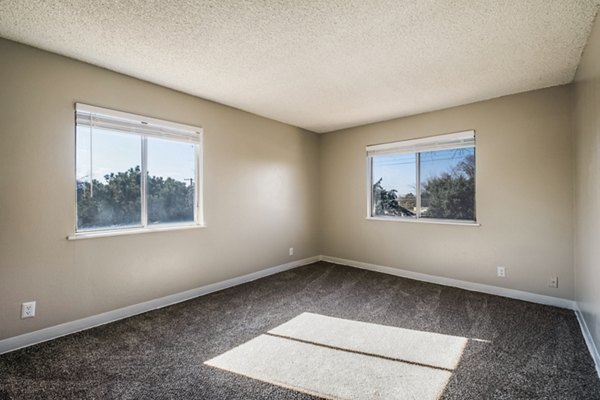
<point x="588" y="338"/>
<point x="42" y="335"/>
<point x="53" y="332"/>
<point x="476" y="287"/>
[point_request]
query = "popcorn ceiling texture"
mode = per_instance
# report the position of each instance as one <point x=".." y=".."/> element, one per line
<point x="320" y="65"/>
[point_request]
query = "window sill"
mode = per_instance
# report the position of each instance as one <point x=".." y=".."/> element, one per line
<point x="425" y="221"/>
<point x="132" y="231"/>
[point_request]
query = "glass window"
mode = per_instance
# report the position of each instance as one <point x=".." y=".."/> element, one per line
<point x="448" y="184"/>
<point x="134" y="172"/>
<point x="171" y="181"/>
<point x="108" y="180"/>
<point x="394" y="185"/>
<point x="443" y="165"/>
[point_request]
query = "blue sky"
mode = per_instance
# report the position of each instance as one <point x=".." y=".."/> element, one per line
<point x="117" y="152"/>
<point x="398" y="172"/>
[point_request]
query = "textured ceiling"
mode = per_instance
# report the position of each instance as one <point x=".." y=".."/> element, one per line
<point x="317" y="64"/>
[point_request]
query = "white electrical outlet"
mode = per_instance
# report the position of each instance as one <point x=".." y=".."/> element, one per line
<point x="553" y="282"/>
<point x="501" y="272"/>
<point x="291" y="251"/>
<point x="28" y="310"/>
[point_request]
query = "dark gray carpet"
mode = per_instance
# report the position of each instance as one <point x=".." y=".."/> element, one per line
<point x="536" y="352"/>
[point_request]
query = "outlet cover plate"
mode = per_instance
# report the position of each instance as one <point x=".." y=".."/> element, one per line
<point x="28" y="310"/>
<point x="501" y="272"/>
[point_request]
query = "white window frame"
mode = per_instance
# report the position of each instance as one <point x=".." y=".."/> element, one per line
<point x="145" y="127"/>
<point x="448" y="141"/>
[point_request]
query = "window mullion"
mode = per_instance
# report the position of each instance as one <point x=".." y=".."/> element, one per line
<point x="418" y="188"/>
<point x="144" y="182"/>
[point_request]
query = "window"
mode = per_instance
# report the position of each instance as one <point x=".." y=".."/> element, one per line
<point x="430" y="178"/>
<point x="134" y="172"/>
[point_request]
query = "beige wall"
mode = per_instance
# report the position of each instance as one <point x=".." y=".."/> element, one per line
<point x="270" y="186"/>
<point x="586" y="118"/>
<point x="523" y="199"/>
<point x="260" y="195"/>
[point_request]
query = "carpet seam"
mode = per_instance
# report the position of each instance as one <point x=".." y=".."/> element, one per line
<point x="362" y="353"/>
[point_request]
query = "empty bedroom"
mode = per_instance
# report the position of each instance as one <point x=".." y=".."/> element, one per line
<point x="281" y="199"/>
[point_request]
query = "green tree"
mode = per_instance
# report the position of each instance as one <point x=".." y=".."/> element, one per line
<point x="451" y="195"/>
<point x="117" y="200"/>
<point x="169" y="200"/>
<point x="386" y="202"/>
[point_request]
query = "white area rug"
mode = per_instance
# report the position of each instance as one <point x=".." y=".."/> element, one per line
<point x="348" y="359"/>
<point x="427" y="348"/>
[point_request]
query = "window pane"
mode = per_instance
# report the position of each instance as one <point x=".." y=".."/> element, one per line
<point x="108" y="179"/>
<point x="394" y="183"/>
<point x="171" y="181"/>
<point x="83" y="160"/>
<point x="448" y="184"/>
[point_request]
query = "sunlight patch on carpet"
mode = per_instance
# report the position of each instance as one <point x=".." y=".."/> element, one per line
<point x="342" y="359"/>
<point x="432" y="349"/>
<point x="331" y="373"/>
